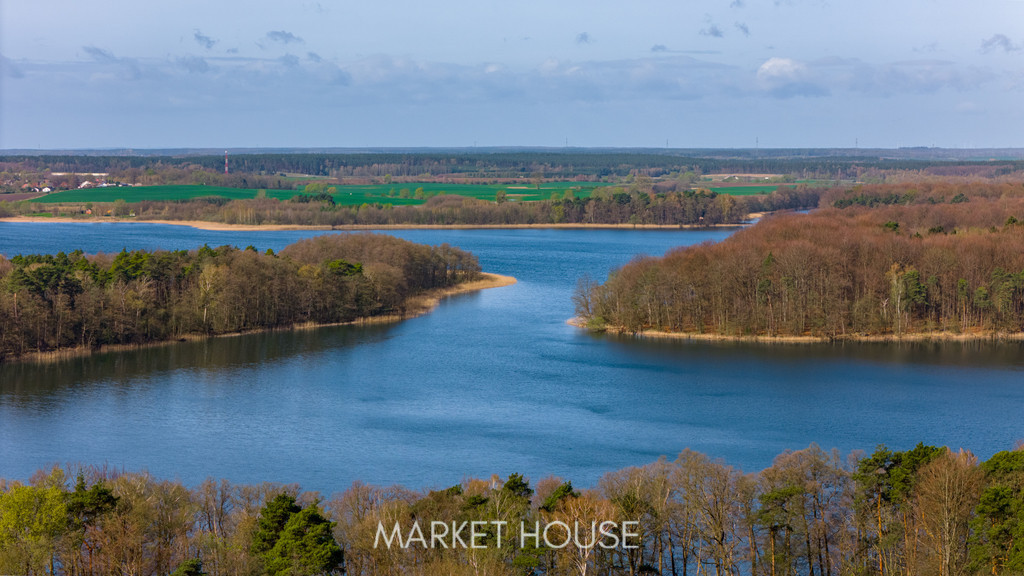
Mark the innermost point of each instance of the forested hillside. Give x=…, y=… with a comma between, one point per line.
x=927, y=510
x=883, y=260
x=51, y=302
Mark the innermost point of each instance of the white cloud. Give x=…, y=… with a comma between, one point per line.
x=191, y=87
x=906, y=77
x=786, y=78
x=784, y=69
x=153, y=59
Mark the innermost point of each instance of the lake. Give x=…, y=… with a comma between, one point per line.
x=492, y=382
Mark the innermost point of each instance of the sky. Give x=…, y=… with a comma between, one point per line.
x=582, y=73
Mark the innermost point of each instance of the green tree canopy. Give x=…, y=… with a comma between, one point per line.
x=295, y=541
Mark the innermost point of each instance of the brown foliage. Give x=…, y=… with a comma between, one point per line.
x=891, y=269
x=805, y=514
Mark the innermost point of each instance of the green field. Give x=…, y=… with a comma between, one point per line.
x=751, y=190
x=345, y=195
x=356, y=195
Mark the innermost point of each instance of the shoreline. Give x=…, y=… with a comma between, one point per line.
x=222, y=227
x=910, y=337
x=416, y=306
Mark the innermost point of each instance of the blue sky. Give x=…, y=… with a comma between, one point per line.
x=689, y=73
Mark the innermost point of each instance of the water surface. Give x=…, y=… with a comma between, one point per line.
x=490, y=382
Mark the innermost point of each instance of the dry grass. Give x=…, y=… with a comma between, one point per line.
x=976, y=336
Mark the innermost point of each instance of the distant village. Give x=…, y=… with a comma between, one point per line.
x=99, y=180
x=15, y=188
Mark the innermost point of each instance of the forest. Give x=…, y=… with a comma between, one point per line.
x=923, y=511
x=564, y=164
x=943, y=259
x=53, y=302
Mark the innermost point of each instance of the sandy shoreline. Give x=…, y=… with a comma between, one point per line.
x=417, y=306
x=878, y=338
x=221, y=227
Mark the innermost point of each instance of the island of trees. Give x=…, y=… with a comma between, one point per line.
x=937, y=259
x=926, y=510
x=54, y=302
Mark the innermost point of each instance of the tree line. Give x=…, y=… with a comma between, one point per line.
x=944, y=190
x=608, y=205
x=51, y=302
x=887, y=260
x=926, y=510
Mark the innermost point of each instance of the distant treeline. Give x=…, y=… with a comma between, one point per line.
x=565, y=165
x=927, y=510
x=51, y=302
x=606, y=206
x=891, y=260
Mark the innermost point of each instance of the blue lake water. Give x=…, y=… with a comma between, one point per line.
x=490, y=382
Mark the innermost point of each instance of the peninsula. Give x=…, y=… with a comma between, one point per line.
x=74, y=303
x=885, y=262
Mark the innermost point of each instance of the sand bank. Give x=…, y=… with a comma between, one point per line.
x=219, y=226
x=979, y=336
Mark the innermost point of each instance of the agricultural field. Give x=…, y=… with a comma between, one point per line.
x=396, y=194
x=745, y=189
x=19, y=196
